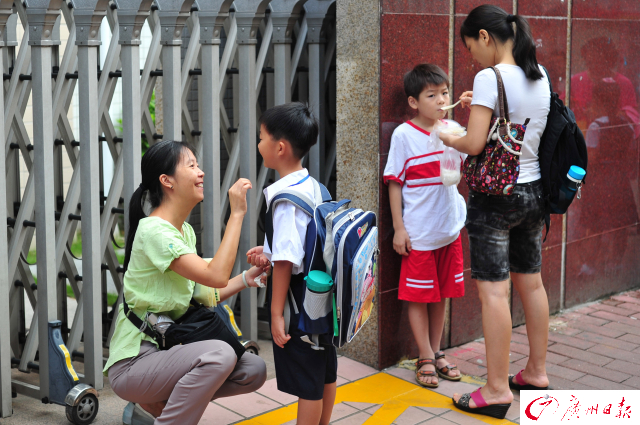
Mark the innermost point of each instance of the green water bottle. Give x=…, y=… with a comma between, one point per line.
x=320, y=282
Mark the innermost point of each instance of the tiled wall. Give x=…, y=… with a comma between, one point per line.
x=601, y=241
x=603, y=245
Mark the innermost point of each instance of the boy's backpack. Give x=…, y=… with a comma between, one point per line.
x=561, y=146
x=343, y=242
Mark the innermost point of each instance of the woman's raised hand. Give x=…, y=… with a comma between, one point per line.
x=466, y=98
x=238, y=196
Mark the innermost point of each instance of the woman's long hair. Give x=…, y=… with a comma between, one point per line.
x=497, y=23
x=161, y=158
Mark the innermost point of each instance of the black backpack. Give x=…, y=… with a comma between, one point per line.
x=561, y=146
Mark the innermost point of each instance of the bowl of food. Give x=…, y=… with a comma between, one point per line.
x=451, y=127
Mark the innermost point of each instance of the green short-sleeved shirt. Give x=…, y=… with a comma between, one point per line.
x=149, y=285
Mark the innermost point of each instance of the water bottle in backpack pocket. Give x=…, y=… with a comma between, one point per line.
x=317, y=305
x=570, y=187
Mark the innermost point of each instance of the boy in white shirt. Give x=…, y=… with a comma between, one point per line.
x=287, y=132
x=427, y=218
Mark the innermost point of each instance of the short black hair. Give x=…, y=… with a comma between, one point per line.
x=423, y=76
x=294, y=123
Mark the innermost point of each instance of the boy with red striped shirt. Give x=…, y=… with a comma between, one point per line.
x=427, y=218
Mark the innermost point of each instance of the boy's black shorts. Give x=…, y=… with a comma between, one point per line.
x=302, y=371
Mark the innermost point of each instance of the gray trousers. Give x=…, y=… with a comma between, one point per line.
x=187, y=377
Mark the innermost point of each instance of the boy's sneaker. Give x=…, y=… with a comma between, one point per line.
x=135, y=415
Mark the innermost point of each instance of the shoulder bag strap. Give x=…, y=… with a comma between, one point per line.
x=502, y=97
x=548, y=79
x=142, y=325
x=500, y=93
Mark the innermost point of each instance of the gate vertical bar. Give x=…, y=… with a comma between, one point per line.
x=284, y=13
x=5, y=349
x=171, y=107
x=88, y=15
x=131, y=17
x=173, y=15
x=212, y=14
x=42, y=15
x=282, y=72
x=249, y=13
x=316, y=103
x=316, y=12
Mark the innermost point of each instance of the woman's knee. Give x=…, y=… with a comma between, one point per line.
x=527, y=283
x=256, y=368
x=218, y=356
x=228, y=356
x=114, y=383
x=493, y=292
x=117, y=379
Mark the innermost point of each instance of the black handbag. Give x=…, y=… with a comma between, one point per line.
x=199, y=323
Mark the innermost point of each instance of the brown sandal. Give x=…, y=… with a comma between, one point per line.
x=419, y=373
x=443, y=372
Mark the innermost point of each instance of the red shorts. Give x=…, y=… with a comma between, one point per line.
x=429, y=276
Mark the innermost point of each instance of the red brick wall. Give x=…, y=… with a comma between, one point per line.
x=602, y=242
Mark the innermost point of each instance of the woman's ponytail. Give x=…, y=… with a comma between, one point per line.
x=136, y=213
x=524, y=49
x=160, y=159
x=498, y=24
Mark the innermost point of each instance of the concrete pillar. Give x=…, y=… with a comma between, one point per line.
x=357, y=132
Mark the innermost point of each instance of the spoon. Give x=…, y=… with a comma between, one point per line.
x=444, y=108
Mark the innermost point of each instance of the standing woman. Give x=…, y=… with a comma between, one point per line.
x=505, y=232
x=161, y=263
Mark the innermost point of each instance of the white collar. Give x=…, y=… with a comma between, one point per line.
x=283, y=183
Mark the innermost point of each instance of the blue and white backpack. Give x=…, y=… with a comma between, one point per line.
x=343, y=242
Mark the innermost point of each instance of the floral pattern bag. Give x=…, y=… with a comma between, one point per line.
x=495, y=171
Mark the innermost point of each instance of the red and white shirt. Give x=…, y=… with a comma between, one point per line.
x=433, y=214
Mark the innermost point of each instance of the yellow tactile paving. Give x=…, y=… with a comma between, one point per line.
x=395, y=395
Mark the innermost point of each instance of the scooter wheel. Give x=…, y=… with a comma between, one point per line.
x=251, y=347
x=85, y=411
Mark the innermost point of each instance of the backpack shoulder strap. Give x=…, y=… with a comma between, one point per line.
x=547, y=216
x=306, y=204
x=548, y=79
x=321, y=192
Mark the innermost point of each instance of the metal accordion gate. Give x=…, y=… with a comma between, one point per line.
x=241, y=57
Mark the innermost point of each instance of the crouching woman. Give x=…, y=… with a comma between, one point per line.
x=176, y=385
